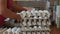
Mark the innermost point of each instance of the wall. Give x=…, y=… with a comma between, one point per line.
x=37, y=4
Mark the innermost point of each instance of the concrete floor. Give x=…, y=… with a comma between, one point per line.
x=54, y=30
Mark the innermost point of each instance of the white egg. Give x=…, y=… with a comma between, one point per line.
x=39, y=23
x=35, y=17
x=47, y=32
x=7, y=19
x=29, y=23
x=9, y=30
x=18, y=30
x=35, y=27
x=40, y=17
x=39, y=27
x=24, y=23
x=14, y=29
x=43, y=32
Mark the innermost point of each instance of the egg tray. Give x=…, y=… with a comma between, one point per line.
x=40, y=20
x=9, y=31
x=31, y=29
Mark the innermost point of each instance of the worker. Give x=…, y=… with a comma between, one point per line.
x=6, y=12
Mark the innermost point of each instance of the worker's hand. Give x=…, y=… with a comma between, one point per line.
x=18, y=17
x=28, y=8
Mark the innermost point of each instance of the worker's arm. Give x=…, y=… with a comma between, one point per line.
x=10, y=14
x=17, y=7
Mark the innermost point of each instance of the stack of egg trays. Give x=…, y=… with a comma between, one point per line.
x=2, y=30
x=34, y=23
x=27, y=26
x=35, y=26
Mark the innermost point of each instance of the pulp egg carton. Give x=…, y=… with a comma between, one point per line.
x=35, y=13
x=2, y=30
x=35, y=17
x=33, y=22
x=15, y=30
x=18, y=30
x=36, y=32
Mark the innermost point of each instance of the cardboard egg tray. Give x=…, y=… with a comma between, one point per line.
x=24, y=31
x=33, y=22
